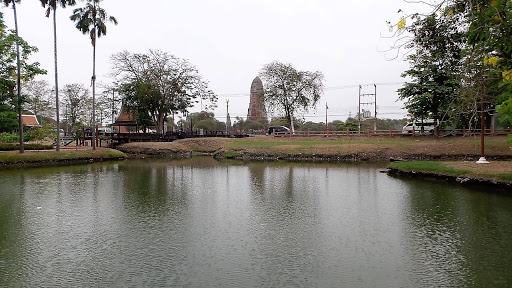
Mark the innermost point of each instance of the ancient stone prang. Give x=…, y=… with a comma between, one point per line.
x=256, y=111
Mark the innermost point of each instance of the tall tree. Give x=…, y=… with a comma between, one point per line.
x=52, y=5
x=490, y=30
x=76, y=102
x=14, y=68
x=39, y=95
x=18, y=64
x=290, y=91
x=435, y=66
x=92, y=19
x=159, y=84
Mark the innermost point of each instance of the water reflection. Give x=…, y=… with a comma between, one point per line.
x=200, y=222
x=455, y=237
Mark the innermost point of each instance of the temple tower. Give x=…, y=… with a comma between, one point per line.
x=256, y=111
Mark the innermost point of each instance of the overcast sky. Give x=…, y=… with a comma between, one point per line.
x=229, y=41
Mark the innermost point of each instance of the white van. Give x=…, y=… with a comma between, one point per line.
x=416, y=126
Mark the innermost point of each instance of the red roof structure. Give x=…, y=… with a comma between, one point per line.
x=126, y=119
x=30, y=121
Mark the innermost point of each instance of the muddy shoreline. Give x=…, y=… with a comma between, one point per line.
x=138, y=152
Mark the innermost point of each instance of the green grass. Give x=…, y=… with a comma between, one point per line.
x=258, y=144
x=506, y=177
x=15, y=157
x=231, y=155
x=427, y=166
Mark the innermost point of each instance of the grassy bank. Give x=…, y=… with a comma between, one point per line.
x=332, y=148
x=36, y=158
x=494, y=171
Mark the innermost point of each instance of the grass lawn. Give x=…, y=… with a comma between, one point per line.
x=35, y=156
x=499, y=170
x=395, y=147
x=427, y=166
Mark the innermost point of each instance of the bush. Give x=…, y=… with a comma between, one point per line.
x=38, y=134
x=9, y=137
x=14, y=147
x=253, y=125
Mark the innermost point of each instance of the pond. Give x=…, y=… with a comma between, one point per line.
x=203, y=223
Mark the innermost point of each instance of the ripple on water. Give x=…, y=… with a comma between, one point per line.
x=269, y=225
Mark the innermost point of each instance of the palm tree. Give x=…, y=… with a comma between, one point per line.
x=18, y=64
x=91, y=19
x=52, y=5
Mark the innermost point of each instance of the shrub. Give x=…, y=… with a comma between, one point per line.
x=14, y=147
x=9, y=137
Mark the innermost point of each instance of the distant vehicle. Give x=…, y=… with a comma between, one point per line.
x=277, y=129
x=426, y=126
x=103, y=130
x=61, y=134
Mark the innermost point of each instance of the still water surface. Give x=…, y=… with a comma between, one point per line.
x=203, y=223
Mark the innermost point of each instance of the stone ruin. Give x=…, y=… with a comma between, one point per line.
x=257, y=111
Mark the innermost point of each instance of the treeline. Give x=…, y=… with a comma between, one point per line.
x=460, y=61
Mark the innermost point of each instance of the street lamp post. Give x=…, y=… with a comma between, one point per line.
x=482, y=159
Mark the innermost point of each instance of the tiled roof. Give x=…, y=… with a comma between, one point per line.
x=125, y=117
x=30, y=121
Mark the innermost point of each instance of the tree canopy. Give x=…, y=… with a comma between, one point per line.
x=435, y=66
x=158, y=84
x=473, y=38
x=290, y=91
x=8, y=73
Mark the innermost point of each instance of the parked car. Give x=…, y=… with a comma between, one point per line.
x=427, y=126
x=277, y=129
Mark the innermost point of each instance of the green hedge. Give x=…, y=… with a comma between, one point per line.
x=14, y=147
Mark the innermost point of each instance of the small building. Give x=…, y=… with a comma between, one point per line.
x=125, y=120
x=30, y=121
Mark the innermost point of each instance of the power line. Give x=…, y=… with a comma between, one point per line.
x=235, y=95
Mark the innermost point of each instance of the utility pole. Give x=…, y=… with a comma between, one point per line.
x=326, y=123
x=359, y=109
x=227, y=117
x=375, y=107
x=366, y=113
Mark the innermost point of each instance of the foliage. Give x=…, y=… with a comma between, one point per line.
x=109, y=102
x=205, y=120
x=253, y=125
x=92, y=19
x=39, y=98
x=41, y=133
x=14, y=147
x=435, y=66
x=312, y=126
x=485, y=58
x=8, y=67
x=289, y=91
x=9, y=137
x=9, y=104
x=281, y=121
x=159, y=84
x=76, y=105
x=53, y=4
x=8, y=118
x=206, y=124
